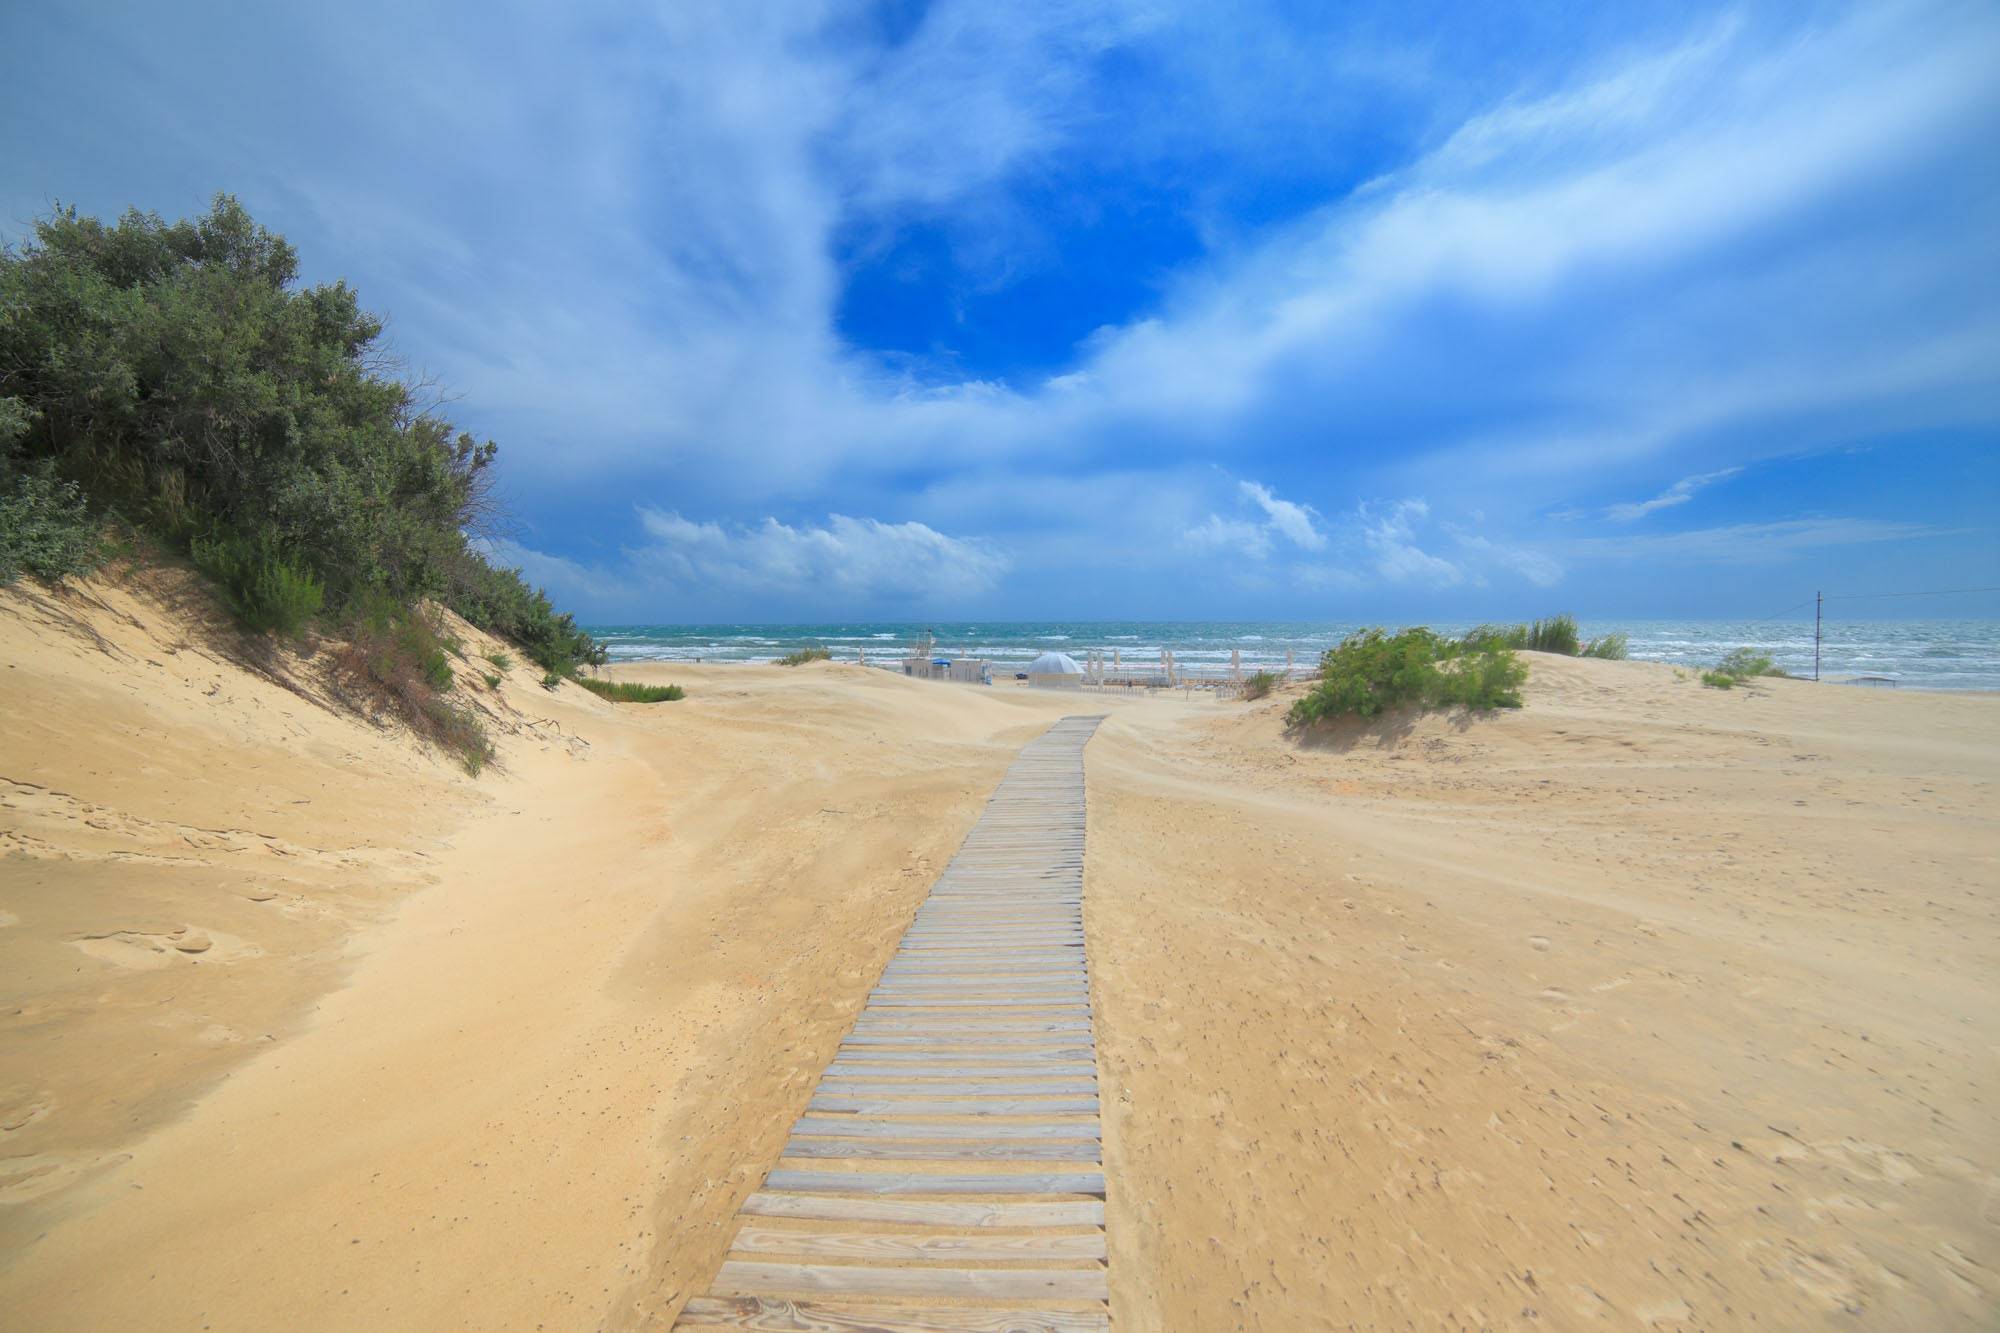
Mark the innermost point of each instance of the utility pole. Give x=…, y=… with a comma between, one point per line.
x=1819, y=605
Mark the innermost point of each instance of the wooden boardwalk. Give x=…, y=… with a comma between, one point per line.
x=946, y=1175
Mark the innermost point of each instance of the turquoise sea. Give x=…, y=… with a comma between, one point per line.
x=1917, y=654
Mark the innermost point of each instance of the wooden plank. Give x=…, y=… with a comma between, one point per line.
x=975, y=1054
x=985, y=1106
x=972, y=1024
x=902, y=1247
x=924, y=1212
x=915, y=1182
x=900, y=1002
x=770, y=1314
x=958, y=1069
x=975, y=1041
x=763, y=1278
x=841, y=1086
x=1081, y=1152
x=844, y=1126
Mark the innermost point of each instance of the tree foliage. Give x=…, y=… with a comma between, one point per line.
x=179, y=373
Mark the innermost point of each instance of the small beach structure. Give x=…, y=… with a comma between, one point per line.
x=1055, y=671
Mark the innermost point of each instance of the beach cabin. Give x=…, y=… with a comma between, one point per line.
x=1055, y=671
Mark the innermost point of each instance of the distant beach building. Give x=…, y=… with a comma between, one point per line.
x=1055, y=671
x=924, y=663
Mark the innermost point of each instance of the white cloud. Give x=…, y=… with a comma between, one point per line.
x=1391, y=538
x=1677, y=494
x=1742, y=543
x=1537, y=568
x=1216, y=535
x=848, y=562
x=1292, y=521
x=1282, y=518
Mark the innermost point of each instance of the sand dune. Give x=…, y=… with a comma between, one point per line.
x=1645, y=1004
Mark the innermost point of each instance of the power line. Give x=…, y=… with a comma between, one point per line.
x=1930, y=592
x=1787, y=611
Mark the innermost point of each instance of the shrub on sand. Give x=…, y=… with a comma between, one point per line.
x=1259, y=684
x=1374, y=671
x=1741, y=665
x=45, y=526
x=395, y=660
x=264, y=589
x=631, y=692
x=805, y=655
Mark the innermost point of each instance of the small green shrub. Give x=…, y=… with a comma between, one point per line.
x=266, y=591
x=492, y=681
x=1745, y=663
x=503, y=660
x=805, y=655
x=1718, y=680
x=631, y=692
x=1557, y=634
x=1611, y=647
x=45, y=525
x=1259, y=684
x=394, y=658
x=1374, y=671
x=1496, y=636
x=552, y=680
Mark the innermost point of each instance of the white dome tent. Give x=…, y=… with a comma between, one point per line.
x=1055, y=671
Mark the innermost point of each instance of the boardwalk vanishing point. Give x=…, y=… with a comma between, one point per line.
x=946, y=1176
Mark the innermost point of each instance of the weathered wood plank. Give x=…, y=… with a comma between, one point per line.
x=959, y=1069
x=881, y=1127
x=982, y=1106
x=916, y=1182
x=1079, y=1151
x=925, y=1212
x=763, y=1278
x=901, y=1247
x=975, y=1055
x=770, y=1314
x=968, y=1087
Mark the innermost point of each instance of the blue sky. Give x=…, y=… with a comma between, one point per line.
x=1137, y=309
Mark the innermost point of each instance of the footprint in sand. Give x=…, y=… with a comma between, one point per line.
x=1540, y=942
x=21, y=1106
x=146, y=950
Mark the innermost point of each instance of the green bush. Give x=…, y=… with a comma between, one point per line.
x=505, y=661
x=1611, y=647
x=805, y=655
x=552, y=680
x=266, y=591
x=631, y=692
x=45, y=526
x=1374, y=671
x=1557, y=634
x=1742, y=664
x=492, y=681
x=1259, y=684
x=180, y=375
x=395, y=659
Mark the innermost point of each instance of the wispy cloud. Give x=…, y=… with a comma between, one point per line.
x=848, y=561
x=1677, y=494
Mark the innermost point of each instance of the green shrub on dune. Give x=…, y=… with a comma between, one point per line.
x=263, y=588
x=1373, y=672
x=1741, y=665
x=179, y=376
x=1611, y=647
x=631, y=692
x=1259, y=684
x=805, y=655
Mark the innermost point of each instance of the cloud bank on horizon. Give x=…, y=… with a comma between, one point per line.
x=1137, y=309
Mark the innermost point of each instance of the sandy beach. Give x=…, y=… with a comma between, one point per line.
x=1645, y=1005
